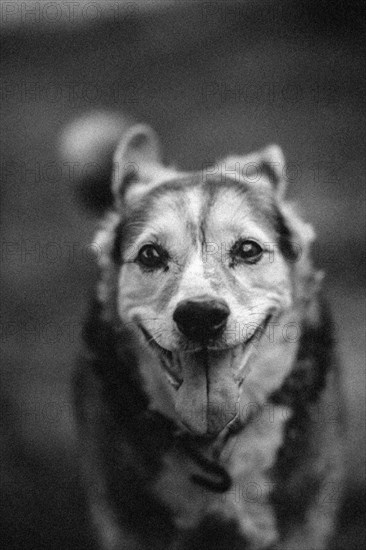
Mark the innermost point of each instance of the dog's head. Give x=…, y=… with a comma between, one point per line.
x=208, y=269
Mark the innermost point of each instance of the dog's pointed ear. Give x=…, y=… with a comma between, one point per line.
x=137, y=159
x=264, y=166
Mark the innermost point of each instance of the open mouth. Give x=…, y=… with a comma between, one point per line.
x=169, y=360
x=207, y=381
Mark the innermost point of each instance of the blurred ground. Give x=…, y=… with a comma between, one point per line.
x=211, y=78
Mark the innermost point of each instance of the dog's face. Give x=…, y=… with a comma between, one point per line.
x=205, y=267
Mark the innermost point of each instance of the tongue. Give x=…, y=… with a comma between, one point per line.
x=208, y=396
x=224, y=392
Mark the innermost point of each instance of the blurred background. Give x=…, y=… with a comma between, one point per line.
x=212, y=78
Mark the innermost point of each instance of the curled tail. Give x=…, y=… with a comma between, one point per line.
x=87, y=145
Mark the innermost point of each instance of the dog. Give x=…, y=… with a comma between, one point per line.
x=208, y=395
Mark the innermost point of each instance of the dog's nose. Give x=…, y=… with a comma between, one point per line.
x=201, y=318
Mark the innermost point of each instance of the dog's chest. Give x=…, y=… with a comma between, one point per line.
x=248, y=458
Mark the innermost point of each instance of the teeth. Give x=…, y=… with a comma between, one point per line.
x=171, y=371
x=249, y=348
x=173, y=381
x=166, y=359
x=245, y=352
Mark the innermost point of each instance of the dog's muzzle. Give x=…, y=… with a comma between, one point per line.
x=207, y=380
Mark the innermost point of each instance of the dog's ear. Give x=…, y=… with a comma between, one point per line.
x=265, y=166
x=137, y=160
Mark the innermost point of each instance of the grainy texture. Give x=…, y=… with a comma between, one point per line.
x=297, y=77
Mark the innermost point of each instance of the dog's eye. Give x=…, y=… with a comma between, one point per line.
x=151, y=256
x=248, y=251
